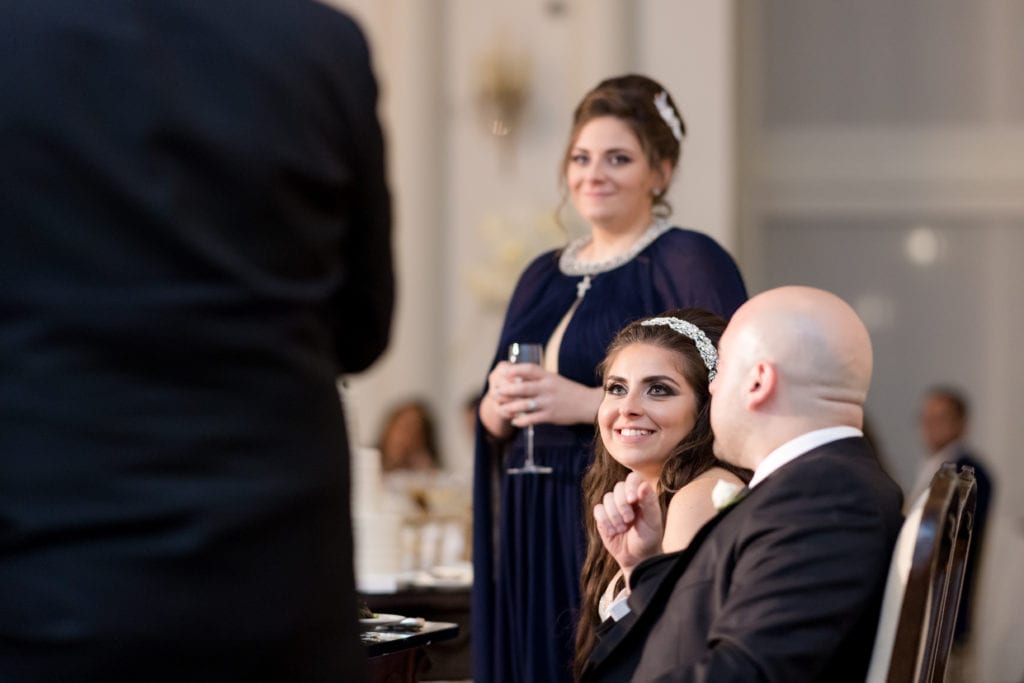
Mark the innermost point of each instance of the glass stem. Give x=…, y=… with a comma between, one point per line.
x=529, y=446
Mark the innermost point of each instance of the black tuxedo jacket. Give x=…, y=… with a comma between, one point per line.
x=194, y=243
x=784, y=586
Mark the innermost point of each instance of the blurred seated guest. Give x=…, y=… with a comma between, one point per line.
x=655, y=431
x=785, y=584
x=407, y=441
x=943, y=423
x=434, y=503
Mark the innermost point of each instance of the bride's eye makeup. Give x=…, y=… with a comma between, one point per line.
x=615, y=388
x=661, y=389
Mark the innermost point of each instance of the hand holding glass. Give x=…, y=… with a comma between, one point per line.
x=527, y=353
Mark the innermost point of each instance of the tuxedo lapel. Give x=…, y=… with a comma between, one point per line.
x=658, y=571
x=650, y=584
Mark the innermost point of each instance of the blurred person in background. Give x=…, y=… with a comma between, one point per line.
x=943, y=423
x=196, y=244
x=407, y=439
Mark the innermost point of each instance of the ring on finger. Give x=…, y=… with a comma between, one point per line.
x=531, y=405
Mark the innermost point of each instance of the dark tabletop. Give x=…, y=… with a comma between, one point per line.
x=382, y=641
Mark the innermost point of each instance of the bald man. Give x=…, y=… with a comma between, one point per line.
x=786, y=582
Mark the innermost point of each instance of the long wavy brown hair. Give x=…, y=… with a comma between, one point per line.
x=690, y=457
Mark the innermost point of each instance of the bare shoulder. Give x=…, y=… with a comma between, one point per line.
x=714, y=474
x=693, y=494
x=691, y=507
x=702, y=485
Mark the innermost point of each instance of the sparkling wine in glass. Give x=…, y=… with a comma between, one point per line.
x=527, y=353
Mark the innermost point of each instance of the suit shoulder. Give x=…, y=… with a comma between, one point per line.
x=849, y=457
x=845, y=471
x=331, y=31
x=333, y=17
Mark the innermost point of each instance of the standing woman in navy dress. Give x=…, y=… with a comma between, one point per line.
x=623, y=149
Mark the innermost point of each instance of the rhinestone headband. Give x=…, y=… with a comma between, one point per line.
x=668, y=115
x=707, y=350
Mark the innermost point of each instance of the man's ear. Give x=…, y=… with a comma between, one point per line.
x=763, y=379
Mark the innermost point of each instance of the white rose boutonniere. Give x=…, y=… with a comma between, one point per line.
x=727, y=493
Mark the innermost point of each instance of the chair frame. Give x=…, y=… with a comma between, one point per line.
x=924, y=632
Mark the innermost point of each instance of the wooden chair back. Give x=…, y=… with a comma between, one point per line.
x=926, y=577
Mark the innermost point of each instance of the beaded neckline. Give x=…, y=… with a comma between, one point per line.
x=570, y=264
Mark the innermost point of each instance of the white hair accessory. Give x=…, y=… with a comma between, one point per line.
x=707, y=350
x=668, y=114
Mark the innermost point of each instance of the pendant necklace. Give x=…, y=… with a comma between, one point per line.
x=569, y=263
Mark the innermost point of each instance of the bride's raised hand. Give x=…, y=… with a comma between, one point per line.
x=628, y=519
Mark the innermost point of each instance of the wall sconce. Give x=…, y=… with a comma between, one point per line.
x=502, y=90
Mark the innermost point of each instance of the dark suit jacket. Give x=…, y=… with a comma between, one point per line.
x=194, y=243
x=785, y=586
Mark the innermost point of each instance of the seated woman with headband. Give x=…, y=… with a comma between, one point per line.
x=655, y=435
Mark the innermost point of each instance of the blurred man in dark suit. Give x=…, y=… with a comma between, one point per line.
x=195, y=234
x=943, y=423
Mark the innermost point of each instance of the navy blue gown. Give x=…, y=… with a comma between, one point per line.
x=527, y=565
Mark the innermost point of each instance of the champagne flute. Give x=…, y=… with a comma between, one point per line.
x=527, y=353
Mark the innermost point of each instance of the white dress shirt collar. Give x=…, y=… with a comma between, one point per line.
x=794, y=448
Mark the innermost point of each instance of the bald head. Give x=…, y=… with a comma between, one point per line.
x=818, y=343
x=796, y=359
